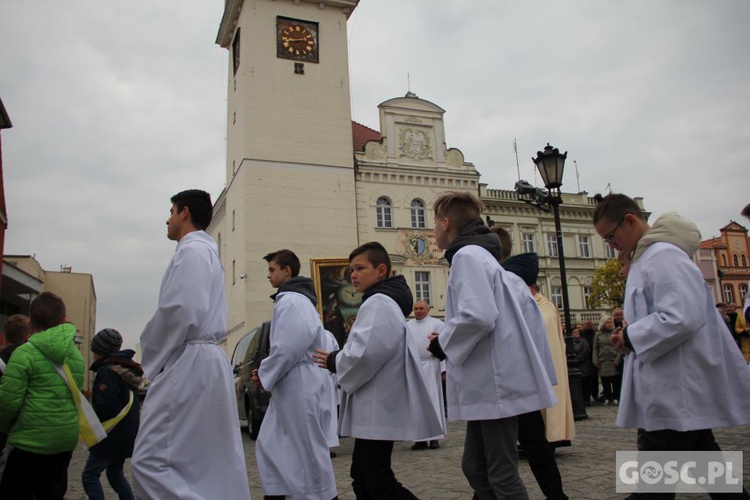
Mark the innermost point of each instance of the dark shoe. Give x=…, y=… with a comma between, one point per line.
x=434, y=445
x=333, y=454
x=420, y=445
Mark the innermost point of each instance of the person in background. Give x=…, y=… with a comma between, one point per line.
x=607, y=359
x=433, y=370
x=17, y=330
x=115, y=390
x=582, y=351
x=36, y=405
x=588, y=333
x=738, y=327
x=746, y=306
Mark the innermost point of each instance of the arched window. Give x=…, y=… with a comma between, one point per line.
x=723, y=260
x=735, y=260
x=383, y=212
x=744, y=260
x=417, y=214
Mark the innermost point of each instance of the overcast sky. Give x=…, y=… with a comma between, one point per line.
x=118, y=105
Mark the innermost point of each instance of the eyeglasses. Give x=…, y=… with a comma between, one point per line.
x=610, y=238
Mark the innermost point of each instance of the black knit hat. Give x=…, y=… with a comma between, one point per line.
x=106, y=341
x=524, y=265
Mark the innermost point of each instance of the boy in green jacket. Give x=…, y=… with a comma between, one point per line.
x=36, y=406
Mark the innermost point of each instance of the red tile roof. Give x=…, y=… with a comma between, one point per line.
x=361, y=135
x=712, y=243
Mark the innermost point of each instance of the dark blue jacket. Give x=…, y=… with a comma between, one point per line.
x=117, y=376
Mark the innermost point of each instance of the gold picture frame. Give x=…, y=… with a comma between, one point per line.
x=338, y=301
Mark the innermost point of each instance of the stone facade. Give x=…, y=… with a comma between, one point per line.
x=731, y=251
x=301, y=175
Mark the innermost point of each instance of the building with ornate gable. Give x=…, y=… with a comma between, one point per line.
x=731, y=251
x=300, y=174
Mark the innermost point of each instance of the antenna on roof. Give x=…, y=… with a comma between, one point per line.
x=515, y=150
x=408, y=82
x=578, y=178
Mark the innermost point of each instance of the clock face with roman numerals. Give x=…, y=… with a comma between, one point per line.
x=296, y=40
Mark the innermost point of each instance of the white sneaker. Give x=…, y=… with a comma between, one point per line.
x=616, y=402
x=605, y=403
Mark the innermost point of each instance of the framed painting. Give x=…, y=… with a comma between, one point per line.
x=338, y=301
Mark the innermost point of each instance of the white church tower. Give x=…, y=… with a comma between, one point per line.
x=290, y=166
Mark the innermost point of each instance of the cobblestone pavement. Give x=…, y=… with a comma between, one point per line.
x=587, y=467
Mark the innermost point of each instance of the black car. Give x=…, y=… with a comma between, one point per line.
x=252, y=403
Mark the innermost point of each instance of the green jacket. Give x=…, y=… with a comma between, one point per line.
x=36, y=406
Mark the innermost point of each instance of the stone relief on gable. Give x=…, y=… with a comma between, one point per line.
x=454, y=157
x=413, y=119
x=415, y=144
x=375, y=150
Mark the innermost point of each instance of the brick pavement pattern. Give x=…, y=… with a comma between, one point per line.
x=587, y=467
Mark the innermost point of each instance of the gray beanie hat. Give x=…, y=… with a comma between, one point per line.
x=106, y=341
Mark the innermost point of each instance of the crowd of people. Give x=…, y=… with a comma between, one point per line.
x=497, y=361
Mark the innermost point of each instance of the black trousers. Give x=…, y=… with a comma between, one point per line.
x=611, y=387
x=595, y=384
x=541, y=456
x=586, y=386
x=669, y=440
x=372, y=476
x=33, y=475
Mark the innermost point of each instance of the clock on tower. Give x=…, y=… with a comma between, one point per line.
x=296, y=40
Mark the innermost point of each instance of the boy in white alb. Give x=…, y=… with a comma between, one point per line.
x=494, y=370
x=292, y=448
x=384, y=398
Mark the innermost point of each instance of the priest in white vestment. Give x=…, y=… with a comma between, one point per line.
x=420, y=329
x=189, y=445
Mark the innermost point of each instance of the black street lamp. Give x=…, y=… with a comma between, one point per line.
x=551, y=165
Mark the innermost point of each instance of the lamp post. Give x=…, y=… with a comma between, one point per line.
x=551, y=165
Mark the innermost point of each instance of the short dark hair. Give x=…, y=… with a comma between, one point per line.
x=285, y=258
x=460, y=207
x=614, y=207
x=746, y=211
x=199, y=204
x=17, y=328
x=506, y=243
x=47, y=311
x=375, y=253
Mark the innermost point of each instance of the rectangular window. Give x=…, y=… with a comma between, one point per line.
x=422, y=286
x=609, y=252
x=584, y=246
x=236, y=51
x=587, y=291
x=728, y=294
x=552, y=245
x=556, y=297
x=527, y=242
x=743, y=291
